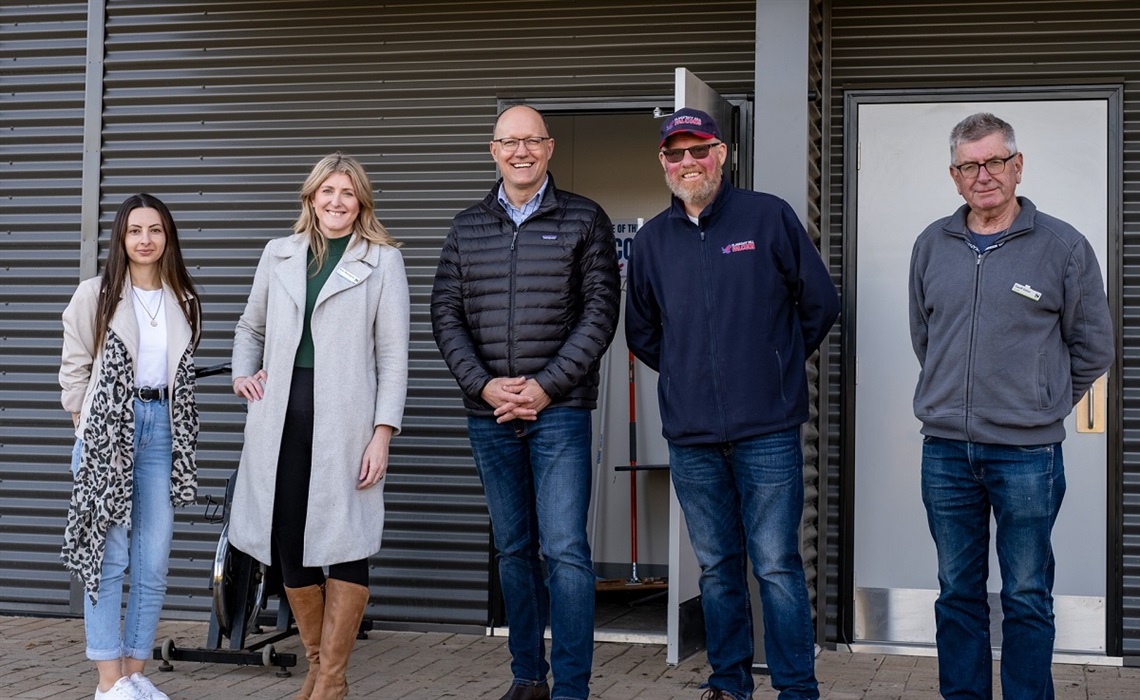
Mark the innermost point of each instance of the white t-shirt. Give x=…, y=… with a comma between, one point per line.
x=152, y=337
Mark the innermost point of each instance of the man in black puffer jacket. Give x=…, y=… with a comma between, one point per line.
x=525, y=303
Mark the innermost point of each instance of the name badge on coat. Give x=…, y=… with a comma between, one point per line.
x=348, y=275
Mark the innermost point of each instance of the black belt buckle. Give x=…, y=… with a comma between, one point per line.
x=146, y=393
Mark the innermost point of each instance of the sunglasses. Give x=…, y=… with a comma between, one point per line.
x=676, y=155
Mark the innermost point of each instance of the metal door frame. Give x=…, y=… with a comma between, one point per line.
x=1113, y=94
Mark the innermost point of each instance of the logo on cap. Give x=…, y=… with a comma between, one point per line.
x=685, y=119
x=689, y=121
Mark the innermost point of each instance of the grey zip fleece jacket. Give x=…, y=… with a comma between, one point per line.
x=1009, y=338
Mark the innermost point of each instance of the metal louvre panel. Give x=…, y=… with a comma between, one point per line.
x=815, y=560
x=221, y=109
x=970, y=44
x=42, y=63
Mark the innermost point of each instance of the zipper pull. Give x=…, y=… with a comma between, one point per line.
x=514, y=238
x=702, y=235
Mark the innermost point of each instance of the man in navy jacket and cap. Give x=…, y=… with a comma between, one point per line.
x=727, y=297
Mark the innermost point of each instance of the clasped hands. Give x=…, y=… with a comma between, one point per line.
x=515, y=398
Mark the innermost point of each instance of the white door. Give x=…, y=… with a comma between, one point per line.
x=903, y=185
x=684, y=572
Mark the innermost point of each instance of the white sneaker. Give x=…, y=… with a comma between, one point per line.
x=148, y=689
x=124, y=689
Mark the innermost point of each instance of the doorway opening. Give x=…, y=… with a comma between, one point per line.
x=610, y=157
x=607, y=149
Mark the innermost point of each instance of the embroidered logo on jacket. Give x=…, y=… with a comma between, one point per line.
x=550, y=237
x=738, y=247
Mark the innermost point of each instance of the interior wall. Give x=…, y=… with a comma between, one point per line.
x=611, y=158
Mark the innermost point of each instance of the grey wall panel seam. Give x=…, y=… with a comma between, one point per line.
x=92, y=139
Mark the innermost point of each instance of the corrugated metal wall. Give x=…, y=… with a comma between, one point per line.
x=221, y=108
x=42, y=60
x=969, y=43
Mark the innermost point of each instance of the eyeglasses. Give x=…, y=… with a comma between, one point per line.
x=532, y=144
x=994, y=166
x=676, y=155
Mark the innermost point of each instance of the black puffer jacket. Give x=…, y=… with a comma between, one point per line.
x=540, y=300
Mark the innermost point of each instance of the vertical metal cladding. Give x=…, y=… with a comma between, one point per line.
x=974, y=44
x=41, y=121
x=817, y=522
x=221, y=109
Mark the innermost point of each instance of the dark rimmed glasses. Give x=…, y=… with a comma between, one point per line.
x=993, y=166
x=676, y=155
x=532, y=144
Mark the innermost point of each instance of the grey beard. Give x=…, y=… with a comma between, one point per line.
x=700, y=195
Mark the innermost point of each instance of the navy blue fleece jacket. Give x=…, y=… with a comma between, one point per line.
x=728, y=310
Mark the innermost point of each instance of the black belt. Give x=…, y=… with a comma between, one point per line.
x=146, y=393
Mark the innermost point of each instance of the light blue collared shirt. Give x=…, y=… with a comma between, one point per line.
x=520, y=214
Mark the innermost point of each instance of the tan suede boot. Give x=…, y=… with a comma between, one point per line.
x=308, y=606
x=344, y=609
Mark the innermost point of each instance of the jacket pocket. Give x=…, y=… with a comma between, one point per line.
x=1044, y=388
x=780, y=372
x=664, y=387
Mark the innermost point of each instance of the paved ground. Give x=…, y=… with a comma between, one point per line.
x=43, y=658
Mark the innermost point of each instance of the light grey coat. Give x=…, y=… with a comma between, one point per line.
x=360, y=376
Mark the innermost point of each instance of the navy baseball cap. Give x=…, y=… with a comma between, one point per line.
x=689, y=121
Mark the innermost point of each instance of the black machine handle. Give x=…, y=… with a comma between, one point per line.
x=201, y=372
x=215, y=509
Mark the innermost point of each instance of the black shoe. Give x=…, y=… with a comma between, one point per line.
x=715, y=694
x=527, y=692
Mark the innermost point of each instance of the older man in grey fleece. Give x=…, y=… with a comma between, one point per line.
x=1011, y=326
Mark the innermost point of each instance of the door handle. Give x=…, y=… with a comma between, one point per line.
x=1091, y=422
x=1091, y=407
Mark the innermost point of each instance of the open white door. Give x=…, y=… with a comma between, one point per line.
x=685, y=631
x=903, y=185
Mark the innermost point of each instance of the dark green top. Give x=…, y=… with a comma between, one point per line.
x=336, y=249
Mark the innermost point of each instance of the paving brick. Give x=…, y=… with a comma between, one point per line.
x=44, y=658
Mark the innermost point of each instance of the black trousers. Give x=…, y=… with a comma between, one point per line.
x=291, y=500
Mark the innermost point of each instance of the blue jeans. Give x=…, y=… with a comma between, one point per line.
x=743, y=496
x=145, y=548
x=1024, y=486
x=536, y=475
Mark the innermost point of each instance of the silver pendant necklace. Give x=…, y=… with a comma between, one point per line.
x=154, y=316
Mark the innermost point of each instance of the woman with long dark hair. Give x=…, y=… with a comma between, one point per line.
x=127, y=375
x=321, y=354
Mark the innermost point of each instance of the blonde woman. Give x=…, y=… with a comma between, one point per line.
x=321, y=355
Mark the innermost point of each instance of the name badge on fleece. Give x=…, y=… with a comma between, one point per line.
x=356, y=280
x=1026, y=291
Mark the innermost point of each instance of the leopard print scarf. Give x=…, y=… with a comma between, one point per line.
x=101, y=496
